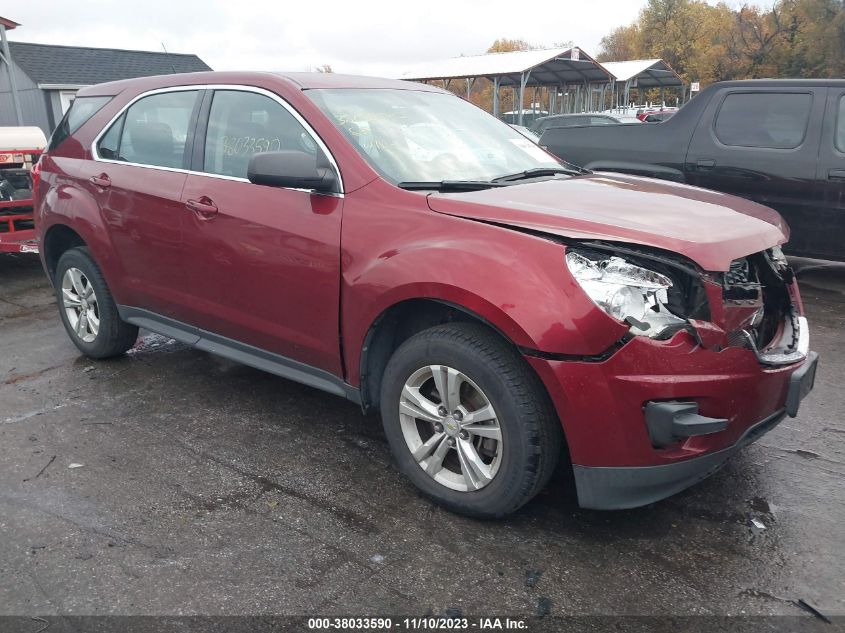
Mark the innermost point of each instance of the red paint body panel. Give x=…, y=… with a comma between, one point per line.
x=601, y=404
x=710, y=228
x=265, y=270
x=395, y=249
x=306, y=276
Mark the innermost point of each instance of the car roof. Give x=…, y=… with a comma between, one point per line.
x=579, y=114
x=302, y=81
x=779, y=83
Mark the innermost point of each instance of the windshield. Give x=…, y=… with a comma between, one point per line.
x=416, y=136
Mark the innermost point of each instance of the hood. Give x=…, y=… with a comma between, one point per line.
x=708, y=227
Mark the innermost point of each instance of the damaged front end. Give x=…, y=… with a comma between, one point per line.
x=681, y=394
x=758, y=307
x=755, y=305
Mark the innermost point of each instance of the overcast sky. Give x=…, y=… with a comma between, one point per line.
x=364, y=37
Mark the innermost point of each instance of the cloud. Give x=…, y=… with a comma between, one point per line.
x=378, y=38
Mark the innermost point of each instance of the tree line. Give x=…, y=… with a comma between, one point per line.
x=707, y=43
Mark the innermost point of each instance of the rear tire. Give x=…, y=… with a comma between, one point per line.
x=87, y=308
x=495, y=440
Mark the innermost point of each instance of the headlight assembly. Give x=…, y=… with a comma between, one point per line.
x=627, y=292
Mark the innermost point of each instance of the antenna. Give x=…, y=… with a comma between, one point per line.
x=173, y=68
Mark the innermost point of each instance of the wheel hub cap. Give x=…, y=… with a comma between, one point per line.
x=450, y=428
x=80, y=305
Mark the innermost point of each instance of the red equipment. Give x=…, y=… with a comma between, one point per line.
x=18, y=170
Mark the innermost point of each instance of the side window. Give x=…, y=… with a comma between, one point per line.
x=107, y=147
x=241, y=124
x=840, y=126
x=79, y=111
x=764, y=119
x=156, y=129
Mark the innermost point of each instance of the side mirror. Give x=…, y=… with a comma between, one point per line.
x=296, y=170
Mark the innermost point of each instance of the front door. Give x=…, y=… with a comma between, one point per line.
x=263, y=263
x=763, y=145
x=830, y=179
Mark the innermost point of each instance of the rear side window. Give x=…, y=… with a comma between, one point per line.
x=840, y=126
x=764, y=119
x=81, y=109
x=154, y=131
x=107, y=146
x=241, y=124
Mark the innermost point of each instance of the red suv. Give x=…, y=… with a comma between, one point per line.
x=390, y=243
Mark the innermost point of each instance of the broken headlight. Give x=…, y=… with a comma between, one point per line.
x=627, y=292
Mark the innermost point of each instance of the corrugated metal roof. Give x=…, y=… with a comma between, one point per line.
x=548, y=66
x=649, y=72
x=75, y=65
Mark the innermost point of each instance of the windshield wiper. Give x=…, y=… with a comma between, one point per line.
x=539, y=172
x=449, y=185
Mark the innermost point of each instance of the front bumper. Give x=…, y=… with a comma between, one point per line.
x=617, y=488
x=602, y=406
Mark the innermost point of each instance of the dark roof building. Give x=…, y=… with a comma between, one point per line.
x=48, y=76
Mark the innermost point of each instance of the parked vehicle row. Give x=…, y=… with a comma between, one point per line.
x=499, y=308
x=777, y=142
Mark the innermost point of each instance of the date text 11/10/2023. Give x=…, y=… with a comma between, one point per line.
x=418, y=624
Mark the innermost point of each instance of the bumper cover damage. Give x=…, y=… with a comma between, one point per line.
x=616, y=488
x=672, y=413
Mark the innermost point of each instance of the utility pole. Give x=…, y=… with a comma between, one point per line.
x=6, y=58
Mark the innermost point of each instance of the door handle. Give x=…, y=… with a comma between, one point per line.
x=836, y=174
x=102, y=181
x=705, y=163
x=204, y=207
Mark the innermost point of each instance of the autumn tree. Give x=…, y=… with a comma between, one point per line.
x=620, y=44
x=505, y=45
x=706, y=43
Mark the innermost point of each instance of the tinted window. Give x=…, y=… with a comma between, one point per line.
x=81, y=109
x=156, y=129
x=777, y=121
x=241, y=124
x=840, y=126
x=108, y=145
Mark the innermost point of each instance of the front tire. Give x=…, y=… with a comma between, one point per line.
x=490, y=442
x=87, y=308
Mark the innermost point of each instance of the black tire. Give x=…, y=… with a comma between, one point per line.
x=531, y=433
x=114, y=336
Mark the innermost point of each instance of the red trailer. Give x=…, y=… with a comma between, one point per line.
x=20, y=148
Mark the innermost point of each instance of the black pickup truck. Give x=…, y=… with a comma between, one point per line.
x=780, y=142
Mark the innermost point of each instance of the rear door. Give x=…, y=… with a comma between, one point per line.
x=763, y=145
x=137, y=178
x=830, y=214
x=262, y=263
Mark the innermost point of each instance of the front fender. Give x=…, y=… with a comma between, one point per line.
x=515, y=281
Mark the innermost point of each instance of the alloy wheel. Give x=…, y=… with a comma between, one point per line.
x=451, y=428
x=80, y=305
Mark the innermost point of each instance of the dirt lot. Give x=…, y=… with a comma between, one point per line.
x=208, y=487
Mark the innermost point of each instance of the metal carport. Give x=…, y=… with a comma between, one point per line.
x=553, y=69
x=643, y=74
